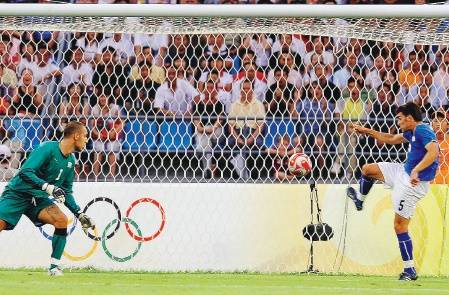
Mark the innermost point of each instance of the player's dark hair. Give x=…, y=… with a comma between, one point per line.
x=410, y=109
x=72, y=128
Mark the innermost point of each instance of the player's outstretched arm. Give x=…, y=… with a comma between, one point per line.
x=70, y=203
x=385, y=137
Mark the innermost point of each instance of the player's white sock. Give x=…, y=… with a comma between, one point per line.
x=54, y=262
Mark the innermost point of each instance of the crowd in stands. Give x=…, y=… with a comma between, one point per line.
x=249, y=101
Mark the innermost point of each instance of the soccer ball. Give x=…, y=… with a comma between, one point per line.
x=299, y=164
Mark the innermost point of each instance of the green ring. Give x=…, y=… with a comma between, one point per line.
x=106, y=250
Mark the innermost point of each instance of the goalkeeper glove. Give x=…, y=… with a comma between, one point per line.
x=57, y=192
x=86, y=222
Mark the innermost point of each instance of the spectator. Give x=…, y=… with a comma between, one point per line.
x=382, y=114
x=341, y=77
x=353, y=109
x=412, y=76
x=225, y=79
x=8, y=81
x=246, y=134
x=122, y=46
x=184, y=47
x=90, y=45
x=296, y=76
x=175, y=96
x=437, y=94
x=289, y=43
x=423, y=101
x=140, y=93
x=381, y=118
x=106, y=132
x=245, y=56
x=331, y=92
x=281, y=95
x=77, y=71
x=216, y=46
x=441, y=77
x=28, y=59
x=260, y=44
x=441, y=127
x=366, y=96
x=109, y=73
x=208, y=126
x=312, y=110
x=357, y=46
x=326, y=57
x=74, y=105
x=145, y=56
x=28, y=100
x=157, y=43
x=8, y=59
x=374, y=78
x=259, y=84
x=46, y=70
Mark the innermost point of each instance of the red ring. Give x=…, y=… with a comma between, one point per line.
x=161, y=227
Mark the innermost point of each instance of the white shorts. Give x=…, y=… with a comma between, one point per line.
x=404, y=195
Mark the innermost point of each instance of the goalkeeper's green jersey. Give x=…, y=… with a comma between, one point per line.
x=45, y=164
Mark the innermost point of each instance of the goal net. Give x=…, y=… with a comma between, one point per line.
x=309, y=77
x=202, y=94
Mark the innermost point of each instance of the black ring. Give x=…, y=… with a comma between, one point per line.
x=119, y=216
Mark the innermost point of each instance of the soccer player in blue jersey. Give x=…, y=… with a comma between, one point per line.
x=409, y=181
x=48, y=171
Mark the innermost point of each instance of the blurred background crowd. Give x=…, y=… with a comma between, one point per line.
x=214, y=107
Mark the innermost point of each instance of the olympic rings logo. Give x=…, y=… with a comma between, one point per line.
x=114, y=225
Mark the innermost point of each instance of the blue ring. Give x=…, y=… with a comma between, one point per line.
x=50, y=237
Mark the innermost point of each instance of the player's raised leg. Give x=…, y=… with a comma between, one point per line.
x=54, y=216
x=370, y=173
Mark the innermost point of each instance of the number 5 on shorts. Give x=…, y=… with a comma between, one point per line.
x=401, y=205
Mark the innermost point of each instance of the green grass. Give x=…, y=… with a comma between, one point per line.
x=36, y=282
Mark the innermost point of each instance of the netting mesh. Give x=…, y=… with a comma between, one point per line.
x=227, y=102
x=398, y=30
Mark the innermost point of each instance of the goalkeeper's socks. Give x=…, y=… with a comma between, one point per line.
x=366, y=184
x=58, y=245
x=406, y=248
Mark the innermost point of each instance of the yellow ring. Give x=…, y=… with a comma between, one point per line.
x=85, y=256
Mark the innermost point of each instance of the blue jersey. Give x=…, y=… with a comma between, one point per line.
x=418, y=140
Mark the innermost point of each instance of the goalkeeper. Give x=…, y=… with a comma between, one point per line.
x=49, y=171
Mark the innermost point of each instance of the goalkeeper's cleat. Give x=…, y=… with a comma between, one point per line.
x=55, y=271
x=352, y=194
x=406, y=276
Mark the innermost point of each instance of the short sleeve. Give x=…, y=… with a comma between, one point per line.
x=408, y=136
x=425, y=135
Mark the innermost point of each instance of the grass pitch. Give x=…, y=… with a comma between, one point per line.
x=37, y=282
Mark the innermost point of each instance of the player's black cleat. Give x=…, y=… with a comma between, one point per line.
x=405, y=276
x=352, y=194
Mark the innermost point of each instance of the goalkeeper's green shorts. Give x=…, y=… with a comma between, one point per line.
x=13, y=206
